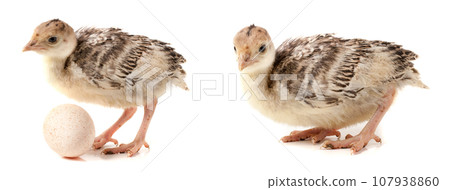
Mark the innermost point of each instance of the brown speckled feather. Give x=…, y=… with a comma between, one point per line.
x=107, y=56
x=340, y=68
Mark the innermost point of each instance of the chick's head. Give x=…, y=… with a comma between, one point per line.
x=53, y=38
x=254, y=49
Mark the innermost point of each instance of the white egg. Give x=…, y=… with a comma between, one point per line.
x=69, y=130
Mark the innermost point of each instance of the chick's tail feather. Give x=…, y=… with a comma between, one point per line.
x=180, y=83
x=421, y=84
x=414, y=74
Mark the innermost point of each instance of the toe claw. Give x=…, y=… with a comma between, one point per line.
x=315, y=140
x=327, y=145
x=348, y=136
x=95, y=146
x=101, y=140
x=114, y=141
x=354, y=149
x=131, y=152
x=293, y=132
x=286, y=139
x=377, y=139
x=338, y=134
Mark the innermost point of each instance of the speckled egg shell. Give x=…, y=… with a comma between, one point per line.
x=69, y=130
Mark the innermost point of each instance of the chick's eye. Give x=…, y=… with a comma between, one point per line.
x=262, y=48
x=52, y=39
x=234, y=48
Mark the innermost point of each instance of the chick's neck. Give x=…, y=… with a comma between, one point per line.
x=261, y=76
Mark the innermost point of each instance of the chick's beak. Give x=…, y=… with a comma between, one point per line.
x=31, y=45
x=244, y=61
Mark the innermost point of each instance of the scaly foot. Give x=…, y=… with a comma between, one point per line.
x=139, y=140
x=106, y=136
x=359, y=141
x=130, y=148
x=355, y=143
x=102, y=139
x=315, y=134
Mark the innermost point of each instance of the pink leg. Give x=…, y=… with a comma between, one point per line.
x=105, y=137
x=315, y=134
x=139, y=140
x=356, y=143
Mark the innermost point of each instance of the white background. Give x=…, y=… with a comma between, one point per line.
x=216, y=143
